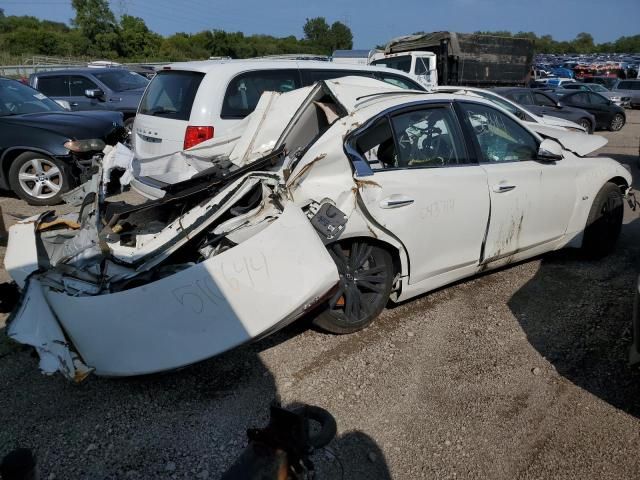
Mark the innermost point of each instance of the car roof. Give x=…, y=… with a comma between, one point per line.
x=237, y=66
x=510, y=89
x=79, y=70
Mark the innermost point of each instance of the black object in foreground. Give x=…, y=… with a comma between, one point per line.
x=281, y=450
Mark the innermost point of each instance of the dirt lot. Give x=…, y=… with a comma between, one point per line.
x=519, y=373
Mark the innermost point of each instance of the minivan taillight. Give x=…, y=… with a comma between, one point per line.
x=195, y=135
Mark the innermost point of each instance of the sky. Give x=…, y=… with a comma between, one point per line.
x=373, y=22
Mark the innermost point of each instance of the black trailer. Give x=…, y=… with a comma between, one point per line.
x=471, y=59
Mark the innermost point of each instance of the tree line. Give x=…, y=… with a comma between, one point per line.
x=95, y=32
x=583, y=43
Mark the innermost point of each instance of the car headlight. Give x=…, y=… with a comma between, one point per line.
x=82, y=146
x=615, y=99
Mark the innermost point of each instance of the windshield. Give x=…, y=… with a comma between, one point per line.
x=508, y=106
x=18, y=99
x=597, y=88
x=171, y=94
x=399, y=63
x=122, y=80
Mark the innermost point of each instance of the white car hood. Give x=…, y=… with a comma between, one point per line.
x=579, y=143
x=560, y=122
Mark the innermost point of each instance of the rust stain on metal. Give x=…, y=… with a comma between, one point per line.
x=305, y=169
x=366, y=183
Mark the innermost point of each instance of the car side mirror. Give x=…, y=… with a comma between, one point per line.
x=549, y=151
x=93, y=93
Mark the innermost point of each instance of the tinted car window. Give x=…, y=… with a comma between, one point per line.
x=377, y=146
x=122, y=80
x=54, y=86
x=523, y=98
x=18, y=99
x=78, y=84
x=398, y=81
x=509, y=107
x=309, y=77
x=597, y=99
x=171, y=94
x=428, y=138
x=500, y=138
x=629, y=85
x=244, y=91
x=543, y=100
x=399, y=63
x=579, y=98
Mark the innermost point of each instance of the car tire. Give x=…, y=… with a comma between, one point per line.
x=366, y=277
x=586, y=124
x=604, y=222
x=38, y=178
x=617, y=122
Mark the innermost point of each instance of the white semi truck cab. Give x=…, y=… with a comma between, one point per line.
x=420, y=65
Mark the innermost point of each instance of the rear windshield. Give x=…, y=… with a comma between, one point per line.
x=399, y=63
x=170, y=94
x=122, y=80
x=628, y=86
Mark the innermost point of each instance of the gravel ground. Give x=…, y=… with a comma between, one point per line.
x=519, y=373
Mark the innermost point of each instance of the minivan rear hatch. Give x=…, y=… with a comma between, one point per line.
x=164, y=112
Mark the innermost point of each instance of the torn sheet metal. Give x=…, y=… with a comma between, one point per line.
x=199, y=312
x=579, y=143
x=21, y=258
x=33, y=323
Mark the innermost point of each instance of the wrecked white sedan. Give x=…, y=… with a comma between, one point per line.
x=360, y=194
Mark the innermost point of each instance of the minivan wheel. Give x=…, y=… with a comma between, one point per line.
x=586, y=124
x=38, y=179
x=604, y=222
x=617, y=122
x=366, y=278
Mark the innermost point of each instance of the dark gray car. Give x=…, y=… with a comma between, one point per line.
x=541, y=103
x=629, y=88
x=114, y=89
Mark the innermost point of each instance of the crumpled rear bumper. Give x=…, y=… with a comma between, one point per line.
x=243, y=293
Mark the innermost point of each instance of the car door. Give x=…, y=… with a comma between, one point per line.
x=55, y=87
x=581, y=100
x=78, y=84
x=531, y=201
x=546, y=105
x=600, y=107
x=428, y=190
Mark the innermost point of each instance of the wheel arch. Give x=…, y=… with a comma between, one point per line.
x=621, y=182
x=397, y=252
x=9, y=155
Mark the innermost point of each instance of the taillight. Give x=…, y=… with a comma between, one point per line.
x=195, y=135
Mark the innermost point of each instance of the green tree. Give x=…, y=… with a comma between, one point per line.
x=583, y=43
x=341, y=36
x=97, y=23
x=316, y=30
x=136, y=40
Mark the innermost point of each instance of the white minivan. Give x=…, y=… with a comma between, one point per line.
x=190, y=102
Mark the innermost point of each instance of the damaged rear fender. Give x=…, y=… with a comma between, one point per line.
x=253, y=288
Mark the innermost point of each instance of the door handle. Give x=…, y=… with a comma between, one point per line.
x=74, y=104
x=396, y=201
x=501, y=188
